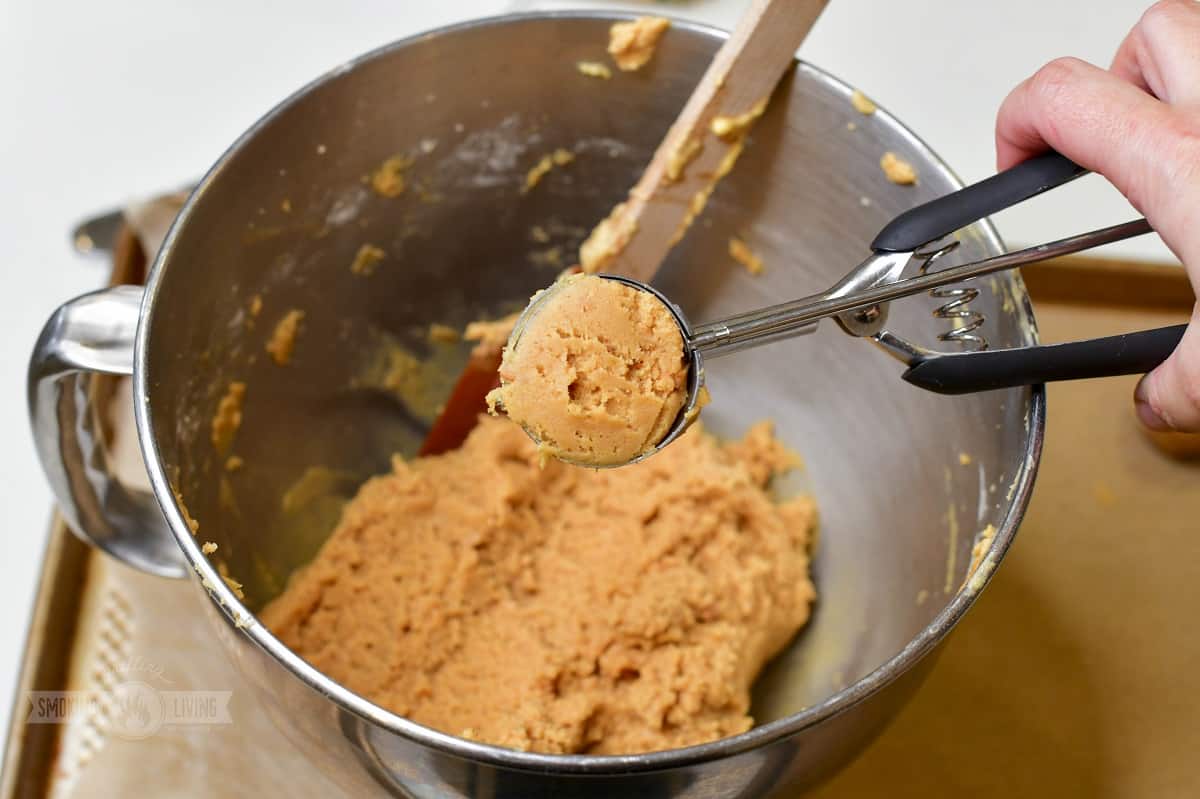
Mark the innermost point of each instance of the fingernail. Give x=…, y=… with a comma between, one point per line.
x=1141, y=402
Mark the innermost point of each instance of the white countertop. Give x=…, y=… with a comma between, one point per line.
x=109, y=101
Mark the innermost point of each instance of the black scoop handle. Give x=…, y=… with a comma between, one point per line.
x=966, y=372
x=941, y=217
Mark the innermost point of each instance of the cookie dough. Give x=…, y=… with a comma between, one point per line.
x=593, y=69
x=559, y=157
x=681, y=156
x=740, y=251
x=631, y=44
x=366, y=259
x=443, y=334
x=560, y=610
x=598, y=374
x=731, y=128
x=282, y=343
x=897, y=169
x=228, y=417
x=490, y=335
x=388, y=179
x=862, y=104
x=608, y=239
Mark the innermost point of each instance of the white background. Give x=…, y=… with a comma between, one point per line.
x=101, y=102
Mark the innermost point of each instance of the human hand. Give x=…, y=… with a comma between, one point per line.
x=1138, y=124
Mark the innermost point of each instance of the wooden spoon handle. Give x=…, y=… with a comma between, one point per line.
x=693, y=156
x=674, y=187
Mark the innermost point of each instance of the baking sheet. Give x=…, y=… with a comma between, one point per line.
x=1074, y=674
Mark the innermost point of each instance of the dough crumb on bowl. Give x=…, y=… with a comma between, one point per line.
x=366, y=259
x=980, y=548
x=741, y=252
x=490, y=335
x=388, y=179
x=598, y=374
x=560, y=157
x=234, y=585
x=632, y=44
x=862, y=104
x=192, y=524
x=557, y=609
x=228, y=417
x=282, y=343
x=551, y=257
x=253, y=309
x=593, y=69
x=443, y=334
x=897, y=169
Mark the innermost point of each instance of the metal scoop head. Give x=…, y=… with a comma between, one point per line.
x=695, y=397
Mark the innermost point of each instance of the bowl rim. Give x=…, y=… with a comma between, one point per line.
x=758, y=736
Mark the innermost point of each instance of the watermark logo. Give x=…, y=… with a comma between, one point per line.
x=131, y=708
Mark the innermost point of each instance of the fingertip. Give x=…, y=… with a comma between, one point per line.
x=1017, y=138
x=1146, y=413
x=1168, y=398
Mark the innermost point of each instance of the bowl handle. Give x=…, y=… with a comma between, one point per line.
x=94, y=334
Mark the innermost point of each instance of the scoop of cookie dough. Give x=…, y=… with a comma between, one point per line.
x=596, y=374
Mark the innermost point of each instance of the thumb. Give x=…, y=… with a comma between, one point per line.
x=1169, y=397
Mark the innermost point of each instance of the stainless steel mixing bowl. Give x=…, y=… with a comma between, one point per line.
x=281, y=216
